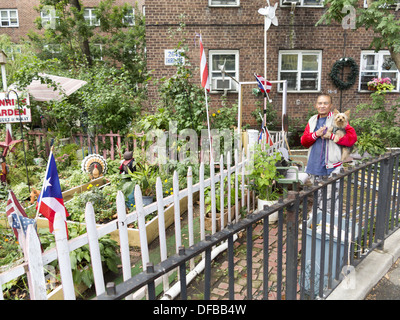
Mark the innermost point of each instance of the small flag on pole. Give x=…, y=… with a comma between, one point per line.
x=263, y=84
x=17, y=218
x=205, y=81
x=50, y=199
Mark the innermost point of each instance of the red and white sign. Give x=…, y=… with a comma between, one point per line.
x=10, y=112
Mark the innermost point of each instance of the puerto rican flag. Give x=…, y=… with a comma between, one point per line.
x=50, y=200
x=263, y=84
x=205, y=81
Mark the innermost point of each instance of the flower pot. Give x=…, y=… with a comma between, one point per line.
x=370, y=88
x=208, y=219
x=260, y=205
x=130, y=200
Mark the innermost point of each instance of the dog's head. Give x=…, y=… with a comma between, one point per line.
x=341, y=119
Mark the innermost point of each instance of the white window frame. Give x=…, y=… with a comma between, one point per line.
x=396, y=8
x=211, y=3
x=10, y=25
x=234, y=85
x=47, y=18
x=380, y=55
x=299, y=70
x=100, y=46
x=130, y=16
x=90, y=17
x=300, y=3
x=12, y=50
x=53, y=48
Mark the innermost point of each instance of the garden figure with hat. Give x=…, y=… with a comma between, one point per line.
x=128, y=163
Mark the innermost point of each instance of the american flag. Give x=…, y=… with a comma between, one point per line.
x=205, y=81
x=50, y=199
x=17, y=217
x=263, y=84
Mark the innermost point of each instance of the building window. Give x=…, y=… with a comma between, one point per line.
x=395, y=6
x=301, y=69
x=129, y=18
x=12, y=51
x=96, y=50
x=377, y=65
x=49, y=17
x=302, y=3
x=217, y=58
x=90, y=17
x=223, y=3
x=9, y=18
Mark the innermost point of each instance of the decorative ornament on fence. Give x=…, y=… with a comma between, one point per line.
x=95, y=165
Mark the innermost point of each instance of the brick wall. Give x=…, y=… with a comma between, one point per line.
x=242, y=29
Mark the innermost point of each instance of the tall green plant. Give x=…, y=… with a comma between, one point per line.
x=264, y=173
x=381, y=122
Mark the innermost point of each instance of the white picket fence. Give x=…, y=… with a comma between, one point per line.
x=35, y=260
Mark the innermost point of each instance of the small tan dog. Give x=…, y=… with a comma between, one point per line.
x=340, y=122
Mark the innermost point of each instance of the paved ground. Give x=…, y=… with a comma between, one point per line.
x=388, y=288
x=219, y=274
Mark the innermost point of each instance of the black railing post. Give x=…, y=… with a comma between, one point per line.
x=383, y=202
x=292, y=246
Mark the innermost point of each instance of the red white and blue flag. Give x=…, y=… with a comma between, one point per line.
x=17, y=218
x=263, y=84
x=50, y=199
x=205, y=81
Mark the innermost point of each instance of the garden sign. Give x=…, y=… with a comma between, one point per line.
x=10, y=112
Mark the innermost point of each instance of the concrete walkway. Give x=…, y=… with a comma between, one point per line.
x=378, y=265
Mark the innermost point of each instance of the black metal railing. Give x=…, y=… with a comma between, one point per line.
x=320, y=230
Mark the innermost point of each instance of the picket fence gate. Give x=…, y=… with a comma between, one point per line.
x=35, y=260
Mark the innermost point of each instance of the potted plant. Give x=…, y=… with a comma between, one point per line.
x=380, y=84
x=145, y=176
x=264, y=174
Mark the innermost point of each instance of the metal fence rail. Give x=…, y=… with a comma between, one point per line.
x=317, y=238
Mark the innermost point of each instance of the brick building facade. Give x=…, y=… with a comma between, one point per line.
x=233, y=30
x=231, y=26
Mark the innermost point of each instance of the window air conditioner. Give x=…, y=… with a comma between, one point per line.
x=219, y=84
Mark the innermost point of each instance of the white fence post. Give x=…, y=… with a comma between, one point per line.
x=161, y=229
x=228, y=167
x=123, y=236
x=236, y=186
x=202, y=205
x=190, y=211
x=213, y=205
x=221, y=191
x=37, y=282
x=177, y=213
x=142, y=227
x=64, y=261
x=95, y=256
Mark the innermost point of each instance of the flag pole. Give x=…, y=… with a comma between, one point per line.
x=45, y=175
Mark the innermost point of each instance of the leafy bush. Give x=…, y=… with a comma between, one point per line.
x=380, y=129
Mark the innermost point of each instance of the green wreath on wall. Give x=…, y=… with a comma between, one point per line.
x=338, y=68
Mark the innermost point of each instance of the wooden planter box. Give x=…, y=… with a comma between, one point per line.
x=152, y=225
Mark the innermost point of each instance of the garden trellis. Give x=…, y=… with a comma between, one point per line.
x=94, y=232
